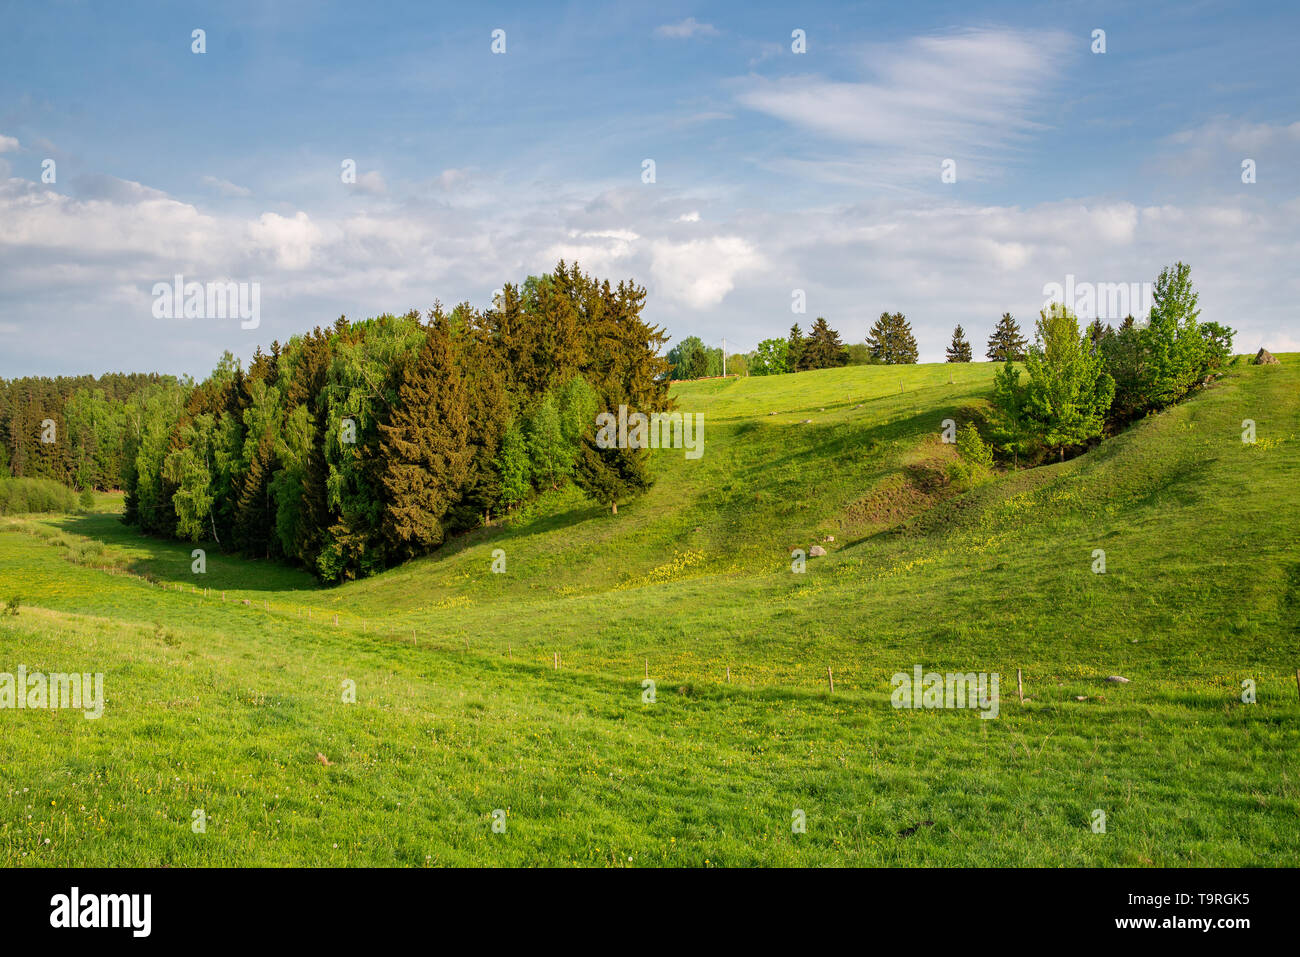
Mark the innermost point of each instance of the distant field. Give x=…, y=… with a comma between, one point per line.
x=224, y=706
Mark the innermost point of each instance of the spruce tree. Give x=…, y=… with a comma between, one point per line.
x=959, y=348
x=1006, y=344
x=823, y=349
x=425, y=447
x=611, y=475
x=890, y=340
x=794, y=350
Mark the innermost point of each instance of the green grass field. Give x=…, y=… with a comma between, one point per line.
x=224, y=706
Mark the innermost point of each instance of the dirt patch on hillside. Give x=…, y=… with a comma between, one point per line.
x=916, y=487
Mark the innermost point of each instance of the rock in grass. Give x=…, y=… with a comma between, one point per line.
x=1265, y=358
x=806, y=422
x=816, y=552
x=829, y=538
x=1119, y=679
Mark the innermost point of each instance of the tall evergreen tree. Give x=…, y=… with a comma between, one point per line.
x=1006, y=344
x=794, y=348
x=891, y=341
x=612, y=475
x=424, y=446
x=959, y=348
x=823, y=349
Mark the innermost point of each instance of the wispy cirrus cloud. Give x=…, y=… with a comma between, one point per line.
x=972, y=94
x=226, y=188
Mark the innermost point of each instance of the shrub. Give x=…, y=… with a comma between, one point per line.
x=87, y=499
x=971, y=447
x=19, y=495
x=975, y=457
x=11, y=606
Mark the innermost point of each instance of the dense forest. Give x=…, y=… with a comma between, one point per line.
x=357, y=446
x=69, y=429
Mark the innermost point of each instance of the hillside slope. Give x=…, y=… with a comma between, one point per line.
x=461, y=711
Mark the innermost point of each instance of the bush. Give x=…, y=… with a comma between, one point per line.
x=975, y=457
x=19, y=495
x=971, y=447
x=87, y=499
x=11, y=606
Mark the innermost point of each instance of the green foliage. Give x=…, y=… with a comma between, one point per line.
x=959, y=348
x=1065, y=401
x=891, y=341
x=550, y=453
x=1011, y=431
x=860, y=355
x=1006, y=344
x=29, y=495
x=794, y=346
x=696, y=579
x=12, y=605
x=1157, y=363
x=692, y=359
x=516, y=470
x=612, y=475
x=424, y=447
x=972, y=448
x=86, y=499
x=823, y=349
x=770, y=358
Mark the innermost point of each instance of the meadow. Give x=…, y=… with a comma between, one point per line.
x=225, y=690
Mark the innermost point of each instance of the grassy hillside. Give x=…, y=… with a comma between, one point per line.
x=224, y=706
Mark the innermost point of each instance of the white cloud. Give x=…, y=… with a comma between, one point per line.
x=8, y=144
x=290, y=241
x=701, y=272
x=969, y=95
x=90, y=262
x=225, y=187
x=690, y=27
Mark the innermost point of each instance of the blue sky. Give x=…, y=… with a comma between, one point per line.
x=775, y=170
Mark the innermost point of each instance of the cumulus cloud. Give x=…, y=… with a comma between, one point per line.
x=91, y=258
x=290, y=242
x=701, y=272
x=8, y=144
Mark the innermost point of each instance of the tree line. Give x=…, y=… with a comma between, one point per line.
x=357, y=446
x=68, y=429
